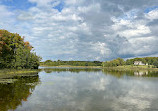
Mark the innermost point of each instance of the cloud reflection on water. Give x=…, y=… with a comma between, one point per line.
x=92, y=91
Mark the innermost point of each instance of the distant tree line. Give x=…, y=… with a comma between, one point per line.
x=15, y=53
x=113, y=63
x=147, y=60
x=71, y=63
x=120, y=62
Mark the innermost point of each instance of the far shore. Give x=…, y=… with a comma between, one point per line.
x=122, y=68
x=132, y=68
x=6, y=73
x=65, y=66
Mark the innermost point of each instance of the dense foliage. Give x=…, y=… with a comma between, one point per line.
x=71, y=63
x=149, y=60
x=120, y=62
x=114, y=63
x=15, y=53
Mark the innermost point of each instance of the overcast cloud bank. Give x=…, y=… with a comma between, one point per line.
x=85, y=29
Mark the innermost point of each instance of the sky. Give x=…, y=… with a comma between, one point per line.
x=84, y=29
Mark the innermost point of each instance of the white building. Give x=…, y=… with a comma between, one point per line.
x=139, y=63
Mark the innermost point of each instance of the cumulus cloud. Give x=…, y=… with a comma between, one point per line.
x=152, y=14
x=86, y=30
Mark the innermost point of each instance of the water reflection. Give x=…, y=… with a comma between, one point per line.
x=138, y=73
x=69, y=89
x=93, y=91
x=114, y=72
x=141, y=73
x=14, y=91
x=73, y=70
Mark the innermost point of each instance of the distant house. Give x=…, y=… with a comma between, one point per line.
x=139, y=63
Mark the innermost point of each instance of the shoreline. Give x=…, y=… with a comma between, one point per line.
x=68, y=66
x=8, y=73
x=121, y=68
x=130, y=68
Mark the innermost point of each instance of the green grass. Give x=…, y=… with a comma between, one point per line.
x=14, y=71
x=6, y=73
x=132, y=67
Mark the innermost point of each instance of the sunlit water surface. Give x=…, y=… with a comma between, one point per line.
x=80, y=90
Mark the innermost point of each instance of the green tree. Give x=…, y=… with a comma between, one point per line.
x=15, y=52
x=155, y=63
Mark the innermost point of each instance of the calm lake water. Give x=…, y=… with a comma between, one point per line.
x=80, y=90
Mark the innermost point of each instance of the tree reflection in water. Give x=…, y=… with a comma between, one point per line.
x=114, y=72
x=12, y=94
x=121, y=73
x=73, y=70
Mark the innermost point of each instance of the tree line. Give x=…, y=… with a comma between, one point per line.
x=71, y=63
x=15, y=53
x=113, y=63
x=147, y=60
x=120, y=62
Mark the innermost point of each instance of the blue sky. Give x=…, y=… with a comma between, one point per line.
x=84, y=29
x=59, y=7
x=17, y=4
x=147, y=10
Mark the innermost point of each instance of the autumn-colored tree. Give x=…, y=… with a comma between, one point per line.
x=15, y=52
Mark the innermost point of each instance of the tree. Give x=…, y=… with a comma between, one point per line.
x=114, y=63
x=15, y=52
x=155, y=63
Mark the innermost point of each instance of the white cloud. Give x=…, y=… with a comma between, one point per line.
x=138, y=30
x=25, y=16
x=4, y=11
x=88, y=9
x=152, y=14
x=129, y=28
x=83, y=29
x=102, y=48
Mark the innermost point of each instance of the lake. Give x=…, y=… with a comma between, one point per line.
x=80, y=89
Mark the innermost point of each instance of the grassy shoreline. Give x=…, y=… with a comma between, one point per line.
x=14, y=71
x=131, y=68
x=123, y=68
x=7, y=73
